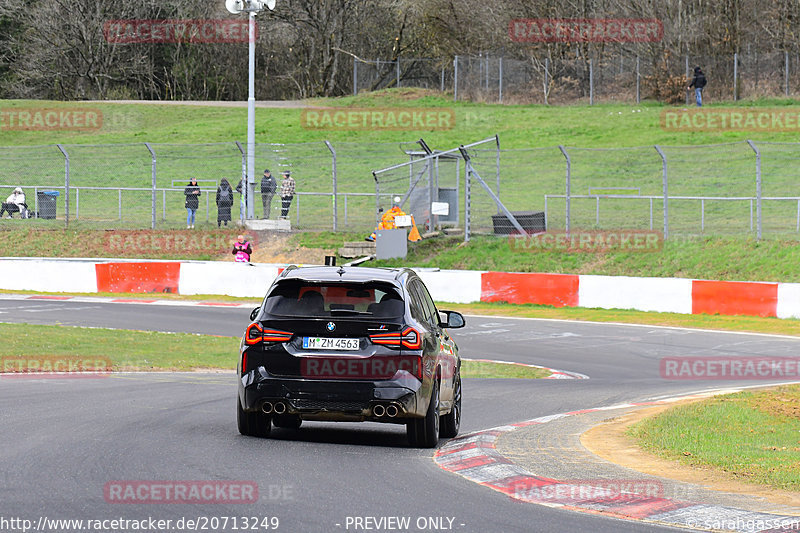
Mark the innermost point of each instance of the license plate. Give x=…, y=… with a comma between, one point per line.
x=329, y=343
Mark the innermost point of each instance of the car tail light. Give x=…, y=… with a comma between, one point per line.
x=256, y=334
x=244, y=363
x=386, y=339
x=418, y=368
x=275, y=335
x=411, y=339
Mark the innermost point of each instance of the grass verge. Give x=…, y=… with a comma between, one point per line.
x=751, y=324
x=148, y=350
x=753, y=436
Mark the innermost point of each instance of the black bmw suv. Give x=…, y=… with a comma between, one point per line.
x=350, y=344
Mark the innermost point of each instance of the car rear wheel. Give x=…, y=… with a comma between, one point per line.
x=424, y=432
x=287, y=421
x=254, y=424
x=451, y=422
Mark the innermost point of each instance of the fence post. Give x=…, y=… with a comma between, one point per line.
x=243, y=201
x=497, y=157
x=153, y=195
x=758, y=188
x=455, y=79
x=665, y=188
x=355, y=77
x=591, y=82
x=442, y=82
x=638, y=81
x=735, y=76
x=397, y=73
x=687, y=77
x=546, y=80
x=501, y=78
x=66, y=187
x=467, y=202
x=335, y=198
x=786, y=72
x=569, y=172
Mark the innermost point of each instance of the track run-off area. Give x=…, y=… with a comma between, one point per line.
x=67, y=443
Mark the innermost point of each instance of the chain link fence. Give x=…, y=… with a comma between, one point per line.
x=618, y=74
x=740, y=188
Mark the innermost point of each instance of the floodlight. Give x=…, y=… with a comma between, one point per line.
x=234, y=6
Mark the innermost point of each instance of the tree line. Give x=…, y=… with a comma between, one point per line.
x=61, y=50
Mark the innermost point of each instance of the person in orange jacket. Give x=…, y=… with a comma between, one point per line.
x=387, y=222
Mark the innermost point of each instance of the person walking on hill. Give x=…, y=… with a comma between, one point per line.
x=192, y=193
x=698, y=82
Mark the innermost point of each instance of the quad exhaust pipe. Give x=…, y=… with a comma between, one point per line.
x=390, y=410
x=278, y=408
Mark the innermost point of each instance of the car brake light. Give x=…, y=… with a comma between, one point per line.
x=256, y=334
x=410, y=338
x=386, y=339
x=244, y=363
x=418, y=368
x=275, y=335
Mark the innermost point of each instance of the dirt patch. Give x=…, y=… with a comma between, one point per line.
x=609, y=441
x=784, y=402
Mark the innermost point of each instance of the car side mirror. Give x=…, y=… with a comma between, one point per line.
x=454, y=320
x=254, y=313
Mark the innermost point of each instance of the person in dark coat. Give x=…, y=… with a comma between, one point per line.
x=192, y=193
x=224, y=202
x=268, y=188
x=698, y=82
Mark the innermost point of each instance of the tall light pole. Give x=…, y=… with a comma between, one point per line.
x=252, y=8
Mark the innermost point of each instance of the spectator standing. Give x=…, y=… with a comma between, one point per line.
x=224, y=202
x=698, y=82
x=192, y=193
x=268, y=188
x=15, y=203
x=287, y=192
x=242, y=250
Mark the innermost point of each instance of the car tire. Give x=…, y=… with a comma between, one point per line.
x=287, y=421
x=451, y=422
x=252, y=424
x=424, y=432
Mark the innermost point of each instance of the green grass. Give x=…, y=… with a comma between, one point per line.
x=26, y=346
x=751, y=436
x=718, y=258
x=482, y=369
x=753, y=324
x=531, y=168
x=131, y=350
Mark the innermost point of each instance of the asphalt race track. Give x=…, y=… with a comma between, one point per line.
x=63, y=440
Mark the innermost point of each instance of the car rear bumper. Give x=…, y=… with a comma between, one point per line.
x=333, y=399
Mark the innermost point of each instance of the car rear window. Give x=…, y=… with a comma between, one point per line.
x=295, y=298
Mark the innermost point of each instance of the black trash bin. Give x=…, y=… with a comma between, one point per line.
x=46, y=201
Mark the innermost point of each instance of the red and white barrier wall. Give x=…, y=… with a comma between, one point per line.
x=672, y=295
